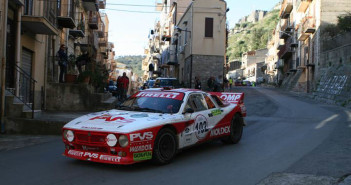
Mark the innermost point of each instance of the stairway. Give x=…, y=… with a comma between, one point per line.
x=14, y=108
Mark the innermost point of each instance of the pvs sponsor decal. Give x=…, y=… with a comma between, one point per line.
x=140, y=148
x=220, y=131
x=109, y=118
x=146, y=136
x=142, y=156
x=201, y=126
x=94, y=156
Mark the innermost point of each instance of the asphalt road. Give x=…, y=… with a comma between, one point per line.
x=283, y=134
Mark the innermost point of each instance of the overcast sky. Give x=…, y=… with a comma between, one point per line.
x=130, y=21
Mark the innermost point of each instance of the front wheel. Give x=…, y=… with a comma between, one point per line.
x=165, y=146
x=236, y=130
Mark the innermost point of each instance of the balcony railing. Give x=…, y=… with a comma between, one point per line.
x=307, y=28
x=94, y=20
x=303, y=5
x=286, y=50
x=286, y=9
x=91, y=5
x=101, y=30
x=40, y=17
x=66, y=15
x=102, y=4
x=79, y=31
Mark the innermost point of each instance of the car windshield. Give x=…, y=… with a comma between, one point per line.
x=167, y=82
x=151, y=83
x=162, y=102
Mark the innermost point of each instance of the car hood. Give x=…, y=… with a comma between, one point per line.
x=121, y=121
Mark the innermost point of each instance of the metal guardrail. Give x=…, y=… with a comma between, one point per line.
x=26, y=87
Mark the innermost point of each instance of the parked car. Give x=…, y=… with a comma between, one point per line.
x=167, y=82
x=154, y=125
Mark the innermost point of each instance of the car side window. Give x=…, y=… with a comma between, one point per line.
x=196, y=102
x=209, y=102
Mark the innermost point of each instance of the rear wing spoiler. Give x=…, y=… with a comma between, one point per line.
x=235, y=98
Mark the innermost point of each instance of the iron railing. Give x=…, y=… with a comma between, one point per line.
x=26, y=87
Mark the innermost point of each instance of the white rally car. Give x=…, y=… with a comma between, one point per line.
x=155, y=124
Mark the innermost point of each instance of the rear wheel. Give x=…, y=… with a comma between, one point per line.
x=165, y=146
x=236, y=130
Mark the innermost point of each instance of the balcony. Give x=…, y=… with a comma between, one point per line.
x=101, y=30
x=65, y=17
x=307, y=28
x=91, y=5
x=19, y=2
x=103, y=42
x=303, y=5
x=286, y=50
x=286, y=9
x=42, y=21
x=93, y=21
x=281, y=44
x=79, y=31
x=102, y=4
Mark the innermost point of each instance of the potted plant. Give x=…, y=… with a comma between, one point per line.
x=71, y=75
x=85, y=76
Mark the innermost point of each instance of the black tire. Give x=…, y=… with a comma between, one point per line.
x=236, y=130
x=165, y=147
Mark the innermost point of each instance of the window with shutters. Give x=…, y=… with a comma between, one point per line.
x=208, y=27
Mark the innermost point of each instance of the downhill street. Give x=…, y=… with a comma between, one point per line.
x=284, y=133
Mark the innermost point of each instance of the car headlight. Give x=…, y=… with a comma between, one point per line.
x=111, y=140
x=123, y=141
x=68, y=135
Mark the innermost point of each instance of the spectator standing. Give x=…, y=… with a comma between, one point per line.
x=211, y=83
x=62, y=61
x=226, y=83
x=230, y=83
x=124, y=84
x=197, y=83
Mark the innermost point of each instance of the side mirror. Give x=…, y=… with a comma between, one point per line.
x=189, y=110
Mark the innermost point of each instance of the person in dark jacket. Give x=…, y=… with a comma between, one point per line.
x=62, y=60
x=197, y=83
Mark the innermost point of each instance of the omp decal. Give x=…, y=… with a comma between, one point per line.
x=146, y=136
x=230, y=97
x=140, y=148
x=142, y=156
x=109, y=118
x=201, y=126
x=171, y=95
x=220, y=131
x=216, y=112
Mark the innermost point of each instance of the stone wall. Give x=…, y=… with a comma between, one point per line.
x=204, y=66
x=72, y=97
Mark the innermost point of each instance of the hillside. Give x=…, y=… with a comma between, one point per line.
x=134, y=62
x=251, y=36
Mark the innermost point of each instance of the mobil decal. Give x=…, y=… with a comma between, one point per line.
x=170, y=95
x=201, y=126
x=220, y=131
x=138, y=137
x=140, y=148
x=109, y=118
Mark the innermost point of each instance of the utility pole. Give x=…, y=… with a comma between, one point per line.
x=3, y=67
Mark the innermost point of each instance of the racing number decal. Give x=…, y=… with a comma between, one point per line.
x=201, y=127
